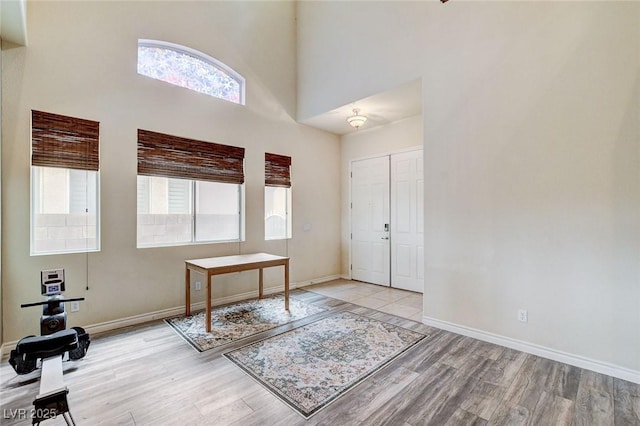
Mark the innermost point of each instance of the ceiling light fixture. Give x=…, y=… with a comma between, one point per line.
x=356, y=120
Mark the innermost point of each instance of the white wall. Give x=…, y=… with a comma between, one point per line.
x=81, y=61
x=1, y=320
x=367, y=143
x=531, y=130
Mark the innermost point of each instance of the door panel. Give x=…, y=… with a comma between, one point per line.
x=403, y=260
x=369, y=214
x=403, y=222
x=407, y=246
x=420, y=272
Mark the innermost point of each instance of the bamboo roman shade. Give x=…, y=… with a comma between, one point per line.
x=176, y=157
x=277, y=170
x=61, y=141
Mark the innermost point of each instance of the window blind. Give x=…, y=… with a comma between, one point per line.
x=61, y=141
x=176, y=157
x=277, y=170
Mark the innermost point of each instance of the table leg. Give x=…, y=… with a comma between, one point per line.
x=260, y=283
x=286, y=285
x=187, y=294
x=208, y=314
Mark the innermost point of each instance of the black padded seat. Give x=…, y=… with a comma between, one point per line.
x=58, y=343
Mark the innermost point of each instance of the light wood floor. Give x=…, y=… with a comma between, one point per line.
x=147, y=375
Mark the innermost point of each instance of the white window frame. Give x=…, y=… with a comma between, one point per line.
x=288, y=216
x=36, y=179
x=193, y=241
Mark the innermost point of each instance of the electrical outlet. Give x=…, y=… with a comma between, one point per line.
x=523, y=316
x=198, y=285
x=75, y=306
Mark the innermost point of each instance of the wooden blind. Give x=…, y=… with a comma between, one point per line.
x=176, y=157
x=277, y=170
x=61, y=141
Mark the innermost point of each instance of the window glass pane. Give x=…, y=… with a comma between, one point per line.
x=83, y=195
x=144, y=194
x=166, y=214
x=189, y=69
x=277, y=212
x=64, y=210
x=179, y=198
x=217, y=211
x=164, y=211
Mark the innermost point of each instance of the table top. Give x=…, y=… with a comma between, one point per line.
x=235, y=260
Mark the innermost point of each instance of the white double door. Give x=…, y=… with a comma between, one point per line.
x=387, y=235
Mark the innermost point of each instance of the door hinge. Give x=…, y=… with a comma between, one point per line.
x=351, y=236
x=351, y=267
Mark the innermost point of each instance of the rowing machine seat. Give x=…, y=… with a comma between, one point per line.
x=29, y=349
x=48, y=345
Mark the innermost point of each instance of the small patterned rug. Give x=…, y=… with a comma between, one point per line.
x=240, y=320
x=311, y=366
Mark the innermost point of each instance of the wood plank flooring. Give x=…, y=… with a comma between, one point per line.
x=147, y=375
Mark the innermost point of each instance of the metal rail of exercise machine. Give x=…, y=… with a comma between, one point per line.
x=51, y=346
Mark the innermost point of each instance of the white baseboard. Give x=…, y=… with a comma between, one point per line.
x=314, y=281
x=103, y=327
x=531, y=348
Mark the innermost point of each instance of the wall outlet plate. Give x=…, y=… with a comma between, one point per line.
x=523, y=315
x=75, y=306
x=198, y=285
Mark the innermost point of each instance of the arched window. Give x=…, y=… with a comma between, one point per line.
x=188, y=68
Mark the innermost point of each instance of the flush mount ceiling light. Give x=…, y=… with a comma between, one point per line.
x=356, y=120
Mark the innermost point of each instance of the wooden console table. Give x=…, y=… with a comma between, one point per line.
x=227, y=264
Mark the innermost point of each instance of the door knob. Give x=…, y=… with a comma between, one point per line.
x=385, y=238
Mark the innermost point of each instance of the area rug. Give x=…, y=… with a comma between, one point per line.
x=311, y=366
x=240, y=320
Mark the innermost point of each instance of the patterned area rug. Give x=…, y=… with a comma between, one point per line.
x=311, y=366
x=240, y=320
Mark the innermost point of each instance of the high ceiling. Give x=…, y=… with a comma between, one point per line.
x=382, y=108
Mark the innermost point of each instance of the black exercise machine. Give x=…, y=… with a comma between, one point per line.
x=51, y=346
